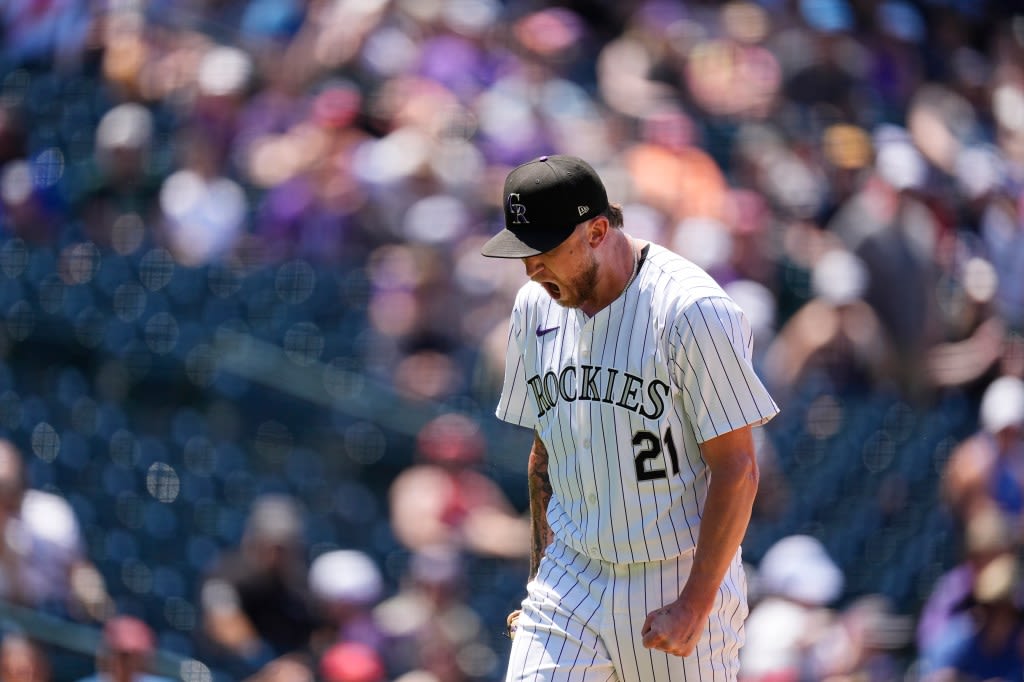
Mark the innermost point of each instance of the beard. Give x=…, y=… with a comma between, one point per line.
x=579, y=289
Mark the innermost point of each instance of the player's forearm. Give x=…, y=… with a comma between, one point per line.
x=539, y=485
x=726, y=516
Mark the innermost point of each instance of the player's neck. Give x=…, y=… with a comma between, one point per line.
x=615, y=275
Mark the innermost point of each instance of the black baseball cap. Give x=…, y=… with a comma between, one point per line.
x=545, y=199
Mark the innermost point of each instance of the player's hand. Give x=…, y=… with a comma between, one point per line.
x=512, y=622
x=674, y=628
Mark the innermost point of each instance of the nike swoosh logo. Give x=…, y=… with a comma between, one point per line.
x=542, y=332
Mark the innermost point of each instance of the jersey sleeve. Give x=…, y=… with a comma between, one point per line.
x=711, y=349
x=514, y=405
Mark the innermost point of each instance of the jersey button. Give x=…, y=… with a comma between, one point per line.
x=586, y=442
x=592, y=498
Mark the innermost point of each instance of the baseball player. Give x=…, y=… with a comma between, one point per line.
x=632, y=367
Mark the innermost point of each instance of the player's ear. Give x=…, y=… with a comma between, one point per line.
x=597, y=230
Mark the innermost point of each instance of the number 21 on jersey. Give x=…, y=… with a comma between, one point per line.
x=649, y=462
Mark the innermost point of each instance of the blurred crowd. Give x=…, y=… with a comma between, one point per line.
x=178, y=172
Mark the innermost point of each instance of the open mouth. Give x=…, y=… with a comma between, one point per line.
x=552, y=289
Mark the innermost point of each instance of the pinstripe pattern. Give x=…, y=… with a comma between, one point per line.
x=622, y=402
x=580, y=616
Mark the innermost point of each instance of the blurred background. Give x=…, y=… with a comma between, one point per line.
x=249, y=353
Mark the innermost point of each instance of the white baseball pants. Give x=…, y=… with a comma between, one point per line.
x=582, y=618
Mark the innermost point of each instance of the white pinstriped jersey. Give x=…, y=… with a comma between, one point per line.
x=623, y=399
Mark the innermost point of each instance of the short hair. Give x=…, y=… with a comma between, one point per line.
x=614, y=215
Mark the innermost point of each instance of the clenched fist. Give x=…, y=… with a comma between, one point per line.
x=511, y=623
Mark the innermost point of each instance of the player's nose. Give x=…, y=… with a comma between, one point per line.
x=532, y=264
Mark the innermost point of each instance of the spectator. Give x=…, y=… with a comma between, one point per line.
x=1001, y=225
x=992, y=647
x=864, y=642
x=203, y=211
x=347, y=585
x=29, y=212
x=836, y=336
x=351, y=662
x=22, y=660
x=445, y=501
x=796, y=584
x=893, y=232
x=944, y=624
x=43, y=564
x=988, y=467
x=41, y=32
x=125, y=652
x=428, y=622
x=121, y=196
x=255, y=600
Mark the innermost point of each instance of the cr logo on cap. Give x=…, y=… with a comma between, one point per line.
x=517, y=210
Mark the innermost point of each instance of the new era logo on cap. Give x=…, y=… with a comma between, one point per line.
x=544, y=201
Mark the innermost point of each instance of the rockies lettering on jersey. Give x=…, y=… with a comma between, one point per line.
x=621, y=389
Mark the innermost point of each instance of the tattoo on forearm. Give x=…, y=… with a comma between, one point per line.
x=540, y=495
